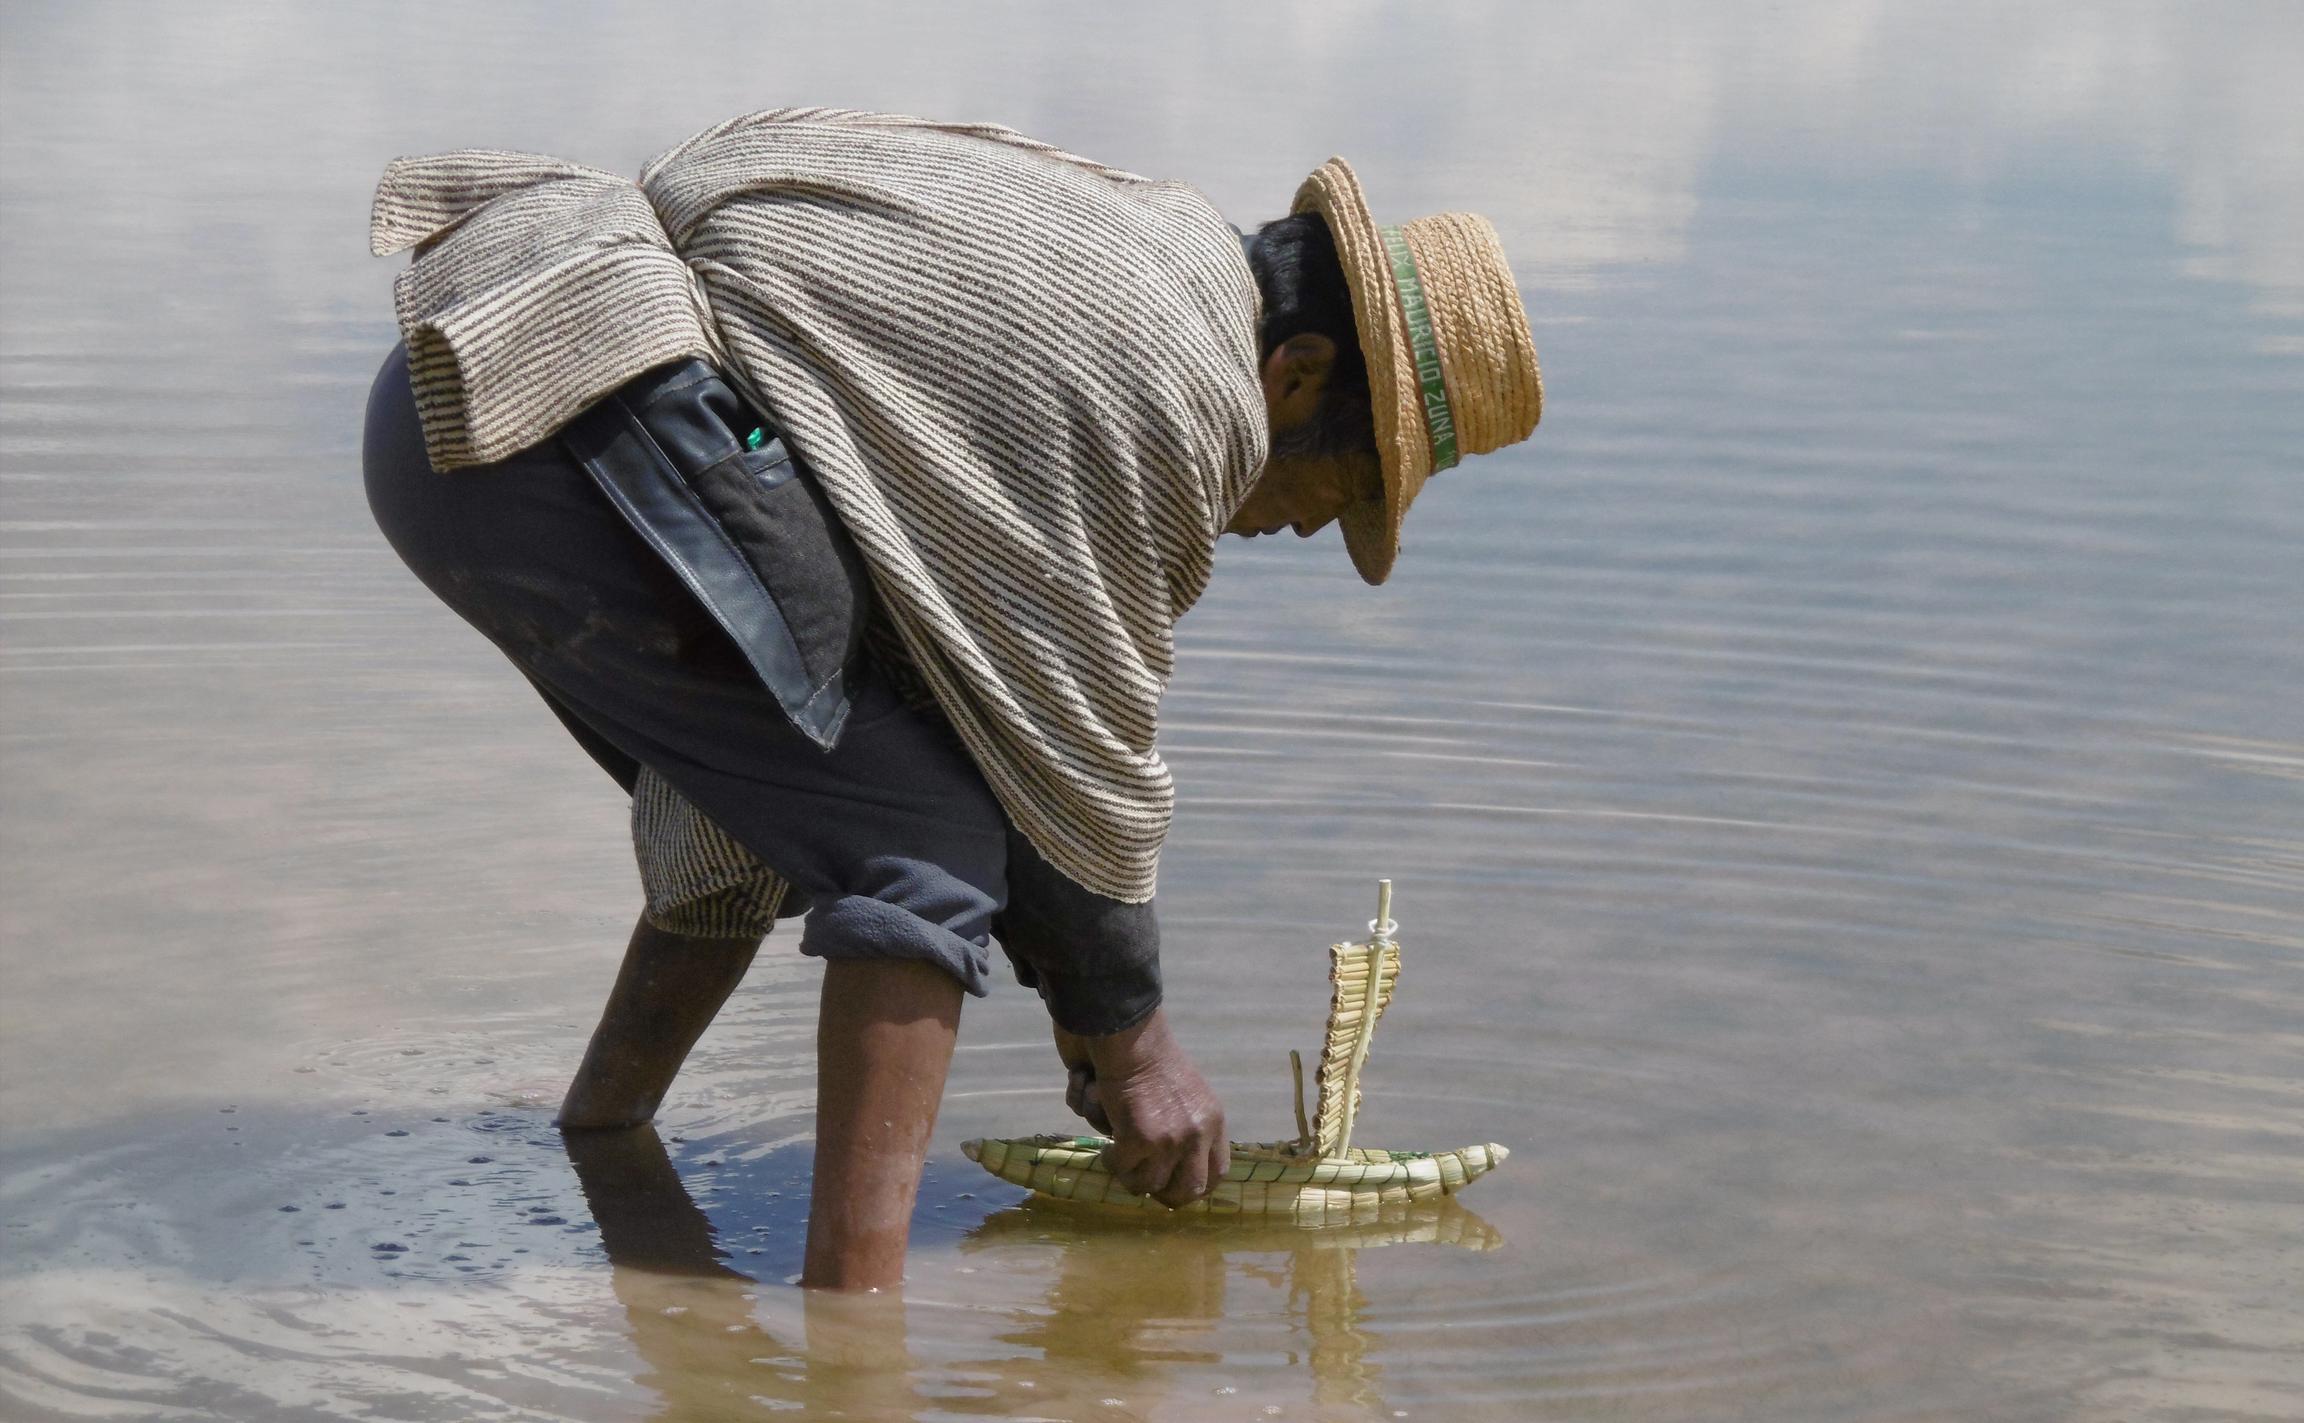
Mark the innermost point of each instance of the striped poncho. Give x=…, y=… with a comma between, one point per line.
x=1028, y=384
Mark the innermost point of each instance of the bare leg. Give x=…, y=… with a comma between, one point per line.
x=665, y=997
x=883, y=1044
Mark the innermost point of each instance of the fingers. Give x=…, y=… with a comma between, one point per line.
x=1082, y=1096
x=1190, y=1181
x=1080, y=1092
x=1175, y=1171
x=1139, y=1166
x=1202, y=1161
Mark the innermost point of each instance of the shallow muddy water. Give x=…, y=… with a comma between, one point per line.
x=1844, y=776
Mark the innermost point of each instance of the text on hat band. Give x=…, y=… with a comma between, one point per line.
x=1437, y=416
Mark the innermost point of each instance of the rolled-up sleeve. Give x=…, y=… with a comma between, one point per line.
x=1095, y=961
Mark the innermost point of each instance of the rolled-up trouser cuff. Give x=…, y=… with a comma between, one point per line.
x=859, y=927
x=699, y=881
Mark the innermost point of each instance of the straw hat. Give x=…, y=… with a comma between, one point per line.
x=1451, y=366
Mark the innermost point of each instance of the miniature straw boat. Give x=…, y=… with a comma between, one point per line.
x=1319, y=1173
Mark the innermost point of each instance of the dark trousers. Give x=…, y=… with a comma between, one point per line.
x=892, y=835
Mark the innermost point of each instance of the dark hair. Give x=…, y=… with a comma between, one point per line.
x=1294, y=259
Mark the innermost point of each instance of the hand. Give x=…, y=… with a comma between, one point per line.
x=1139, y=1088
x=1080, y=1092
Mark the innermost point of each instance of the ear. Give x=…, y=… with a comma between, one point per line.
x=1295, y=375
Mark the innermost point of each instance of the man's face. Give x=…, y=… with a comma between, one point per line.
x=1302, y=491
x=1305, y=493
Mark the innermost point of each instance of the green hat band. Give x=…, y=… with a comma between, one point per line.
x=1437, y=416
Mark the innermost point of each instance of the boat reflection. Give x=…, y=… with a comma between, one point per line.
x=1108, y=1312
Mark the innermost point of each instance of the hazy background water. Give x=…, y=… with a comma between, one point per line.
x=1842, y=775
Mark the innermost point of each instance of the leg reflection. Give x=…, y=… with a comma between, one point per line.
x=648, y=1221
x=693, y=1317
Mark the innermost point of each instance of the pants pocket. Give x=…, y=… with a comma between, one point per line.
x=774, y=510
x=747, y=530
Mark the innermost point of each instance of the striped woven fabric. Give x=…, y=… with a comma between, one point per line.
x=699, y=880
x=1027, y=381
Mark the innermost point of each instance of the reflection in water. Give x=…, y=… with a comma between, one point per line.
x=1106, y=1313
x=693, y=1319
x=1104, y=1320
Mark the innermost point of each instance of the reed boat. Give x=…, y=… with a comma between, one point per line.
x=1318, y=1172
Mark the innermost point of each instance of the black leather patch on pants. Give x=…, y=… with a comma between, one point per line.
x=748, y=530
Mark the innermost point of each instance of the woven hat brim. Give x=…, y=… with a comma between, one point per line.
x=1403, y=447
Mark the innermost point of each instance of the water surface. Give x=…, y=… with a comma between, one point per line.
x=1842, y=776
